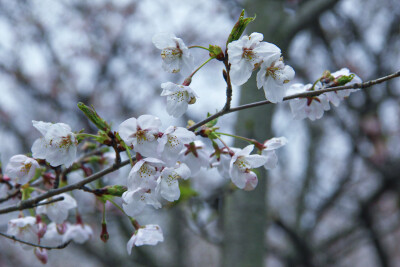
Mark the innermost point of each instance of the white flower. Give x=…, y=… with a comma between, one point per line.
x=58, y=144
x=274, y=76
x=178, y=98
x=172, y=142
x=195, y=156
x=246, y=54
x=135, y=201
x=79, y=233
x=142, y=133
x=57, y=211
x=269, y=151
x=52, y=237
x=150, y=234
x=144, y=174
x=310, y=107
x=24, y=228
x=168, y=185
x=336, y=96
x=21, y=169
x=240, y=167
x=175, y=54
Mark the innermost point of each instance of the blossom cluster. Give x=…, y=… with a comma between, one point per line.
x=314, y=107
x=164, y=158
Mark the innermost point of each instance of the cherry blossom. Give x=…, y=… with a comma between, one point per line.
x=24, y=228
x=246, y=54
x=174, y=52
x=52, y=237
x=150, y=234
x=144, y=174
x=310, y=107
x=336, y=97
x=79, y=233
x=269, y=151
x=274, y=76
x=134, y=201
x=57, y=211
x=240, y=167
x=178, y=98
x=168, y=185
x=58, y=144
x=21, y=169
x=195, y=156
x=142, y=133
x=172, y=142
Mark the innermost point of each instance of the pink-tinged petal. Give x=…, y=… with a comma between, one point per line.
x=256, y=161
x=251, y=181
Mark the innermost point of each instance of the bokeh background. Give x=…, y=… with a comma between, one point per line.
x=332, y=201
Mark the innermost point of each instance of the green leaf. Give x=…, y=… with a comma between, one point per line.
x=94, y=117
x=211, y=123
x=239, y=27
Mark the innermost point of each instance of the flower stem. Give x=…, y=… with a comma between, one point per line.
x=198, y=46
x=251, y=141
x=117, y=206
x=194, y=72
x=223, y=142
x=87, y=135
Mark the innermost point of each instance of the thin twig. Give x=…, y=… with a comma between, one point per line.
x=300, y=95
x=29, y=203
x=34, y=245
x=48, y=202
x=10, y=195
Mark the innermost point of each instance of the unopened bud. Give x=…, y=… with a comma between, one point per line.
x=239, y=28
x=41, y=254
x=61, y=228
x=104, y=236
x=94, y=117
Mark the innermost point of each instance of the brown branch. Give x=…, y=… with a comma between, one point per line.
x=34, y=245
x=29, y=203
x=300, y=95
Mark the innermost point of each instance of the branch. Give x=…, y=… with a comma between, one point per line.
x=300, y=95
x=34, y=245
x=30, y=203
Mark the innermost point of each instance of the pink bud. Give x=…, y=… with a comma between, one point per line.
x=41, y=254
x=104, y=236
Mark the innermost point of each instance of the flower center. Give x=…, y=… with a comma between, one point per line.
x=26, y=167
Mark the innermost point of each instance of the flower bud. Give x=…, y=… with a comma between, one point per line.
x=41, y=254
x=239, y=28
x=104, y=236
x=94, y=117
